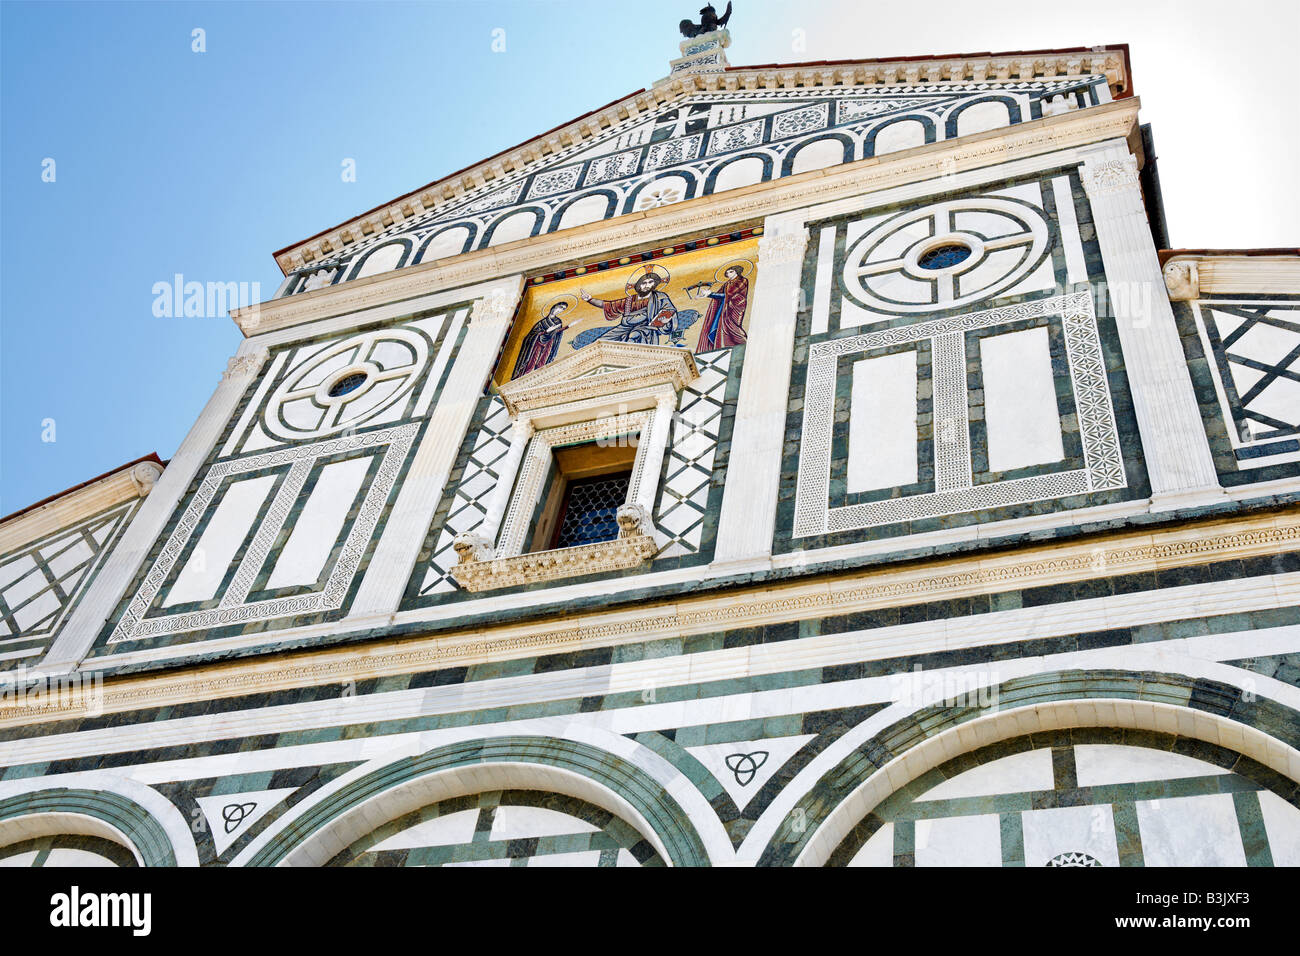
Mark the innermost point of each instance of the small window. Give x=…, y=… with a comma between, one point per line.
x=944, y=257
x=348, y=383
x=588, y=483
x=587, y=514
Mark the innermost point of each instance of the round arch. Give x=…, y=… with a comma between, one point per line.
x=670, y=182
x=818, y=152
x=100, y=813
x=1206, y=710
x=561, y=766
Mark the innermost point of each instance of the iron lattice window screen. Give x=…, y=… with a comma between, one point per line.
x=589, y=512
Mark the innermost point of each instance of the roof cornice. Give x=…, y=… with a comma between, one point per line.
x=133, y=480
x=1190, y=274
x=1111, y=60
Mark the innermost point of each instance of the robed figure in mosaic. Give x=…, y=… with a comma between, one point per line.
x=724, y=321
x=643, y=316
x=542, y=341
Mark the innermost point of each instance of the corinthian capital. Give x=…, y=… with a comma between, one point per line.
x=244, y=366
x=782, y=248
x=497, y=306
x=1110, y=175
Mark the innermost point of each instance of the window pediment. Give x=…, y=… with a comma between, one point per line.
x=602, y=370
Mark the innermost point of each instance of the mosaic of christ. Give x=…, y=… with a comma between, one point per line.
x=696, y=300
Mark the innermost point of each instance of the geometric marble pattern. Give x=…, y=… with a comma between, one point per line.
x=231, y=815
x=503, y=828
x=696, y=136
x=1132, y=814
x=679, y=516
x=40, y=583
x=469, y=506
x=743, y=767
x=235, y=605
x=954, y=488
x=1255, y=364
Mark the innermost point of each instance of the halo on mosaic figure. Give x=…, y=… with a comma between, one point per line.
x=568, y=298
x=721, y=274
x=649, y=268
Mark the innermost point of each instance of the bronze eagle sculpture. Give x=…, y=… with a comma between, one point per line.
x=709, y=21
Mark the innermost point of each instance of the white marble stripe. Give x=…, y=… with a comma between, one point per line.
x=607, y=728
x=830, y=650
x=1076, y=269
x=821, y=304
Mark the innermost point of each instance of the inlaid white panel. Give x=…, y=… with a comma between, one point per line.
x=517, y=226
x=318, y=525
x=882, y=423
x=742, y=172
x=878, y=850
x=71, y=856
x=449, y=830
x=522, y=823
x=903, y=134
x=981, y=117
x=581, y=858
x=1019, y=773
x=1097, y=765
x=959, y=841
x=1020, y=414
x=1068, y=830
x=585, y=210
x=1282, y=824
x=383, y=259
x=446, y=243
x=818, y=155
x=1190, y=831
x=226, y=530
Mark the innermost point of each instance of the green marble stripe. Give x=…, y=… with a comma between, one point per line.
x=1250, y=821
x=1128, y=837
x=904, y=843
x=1012, y=829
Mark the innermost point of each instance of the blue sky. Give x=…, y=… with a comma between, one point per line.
x=170, y=161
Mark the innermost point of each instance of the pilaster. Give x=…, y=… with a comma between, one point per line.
x=748, y=519
x=1174, y=444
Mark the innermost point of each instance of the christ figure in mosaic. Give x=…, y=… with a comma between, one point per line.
x=542, y=341
x=723, y=322
x=642, y=317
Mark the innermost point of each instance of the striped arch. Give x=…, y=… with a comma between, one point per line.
x=514, y=226
x=690, y=185
x=403, y=244
x=561, y=766
x=764, y=165
x=898, y=134
x=587, y=199
x=102, y=813
x=1263, y=730
x=1010, y=116
x=818, y=144
x=443, y=243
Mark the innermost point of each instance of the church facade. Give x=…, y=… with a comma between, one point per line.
x=810, y=464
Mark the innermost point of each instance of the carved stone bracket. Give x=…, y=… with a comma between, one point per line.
x=1183, y=280
x=144, y=476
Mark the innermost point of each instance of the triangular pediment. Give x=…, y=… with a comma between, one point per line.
x=602, y=369
x=695, y=123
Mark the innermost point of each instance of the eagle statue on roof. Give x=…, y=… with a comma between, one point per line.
x=709, y=21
